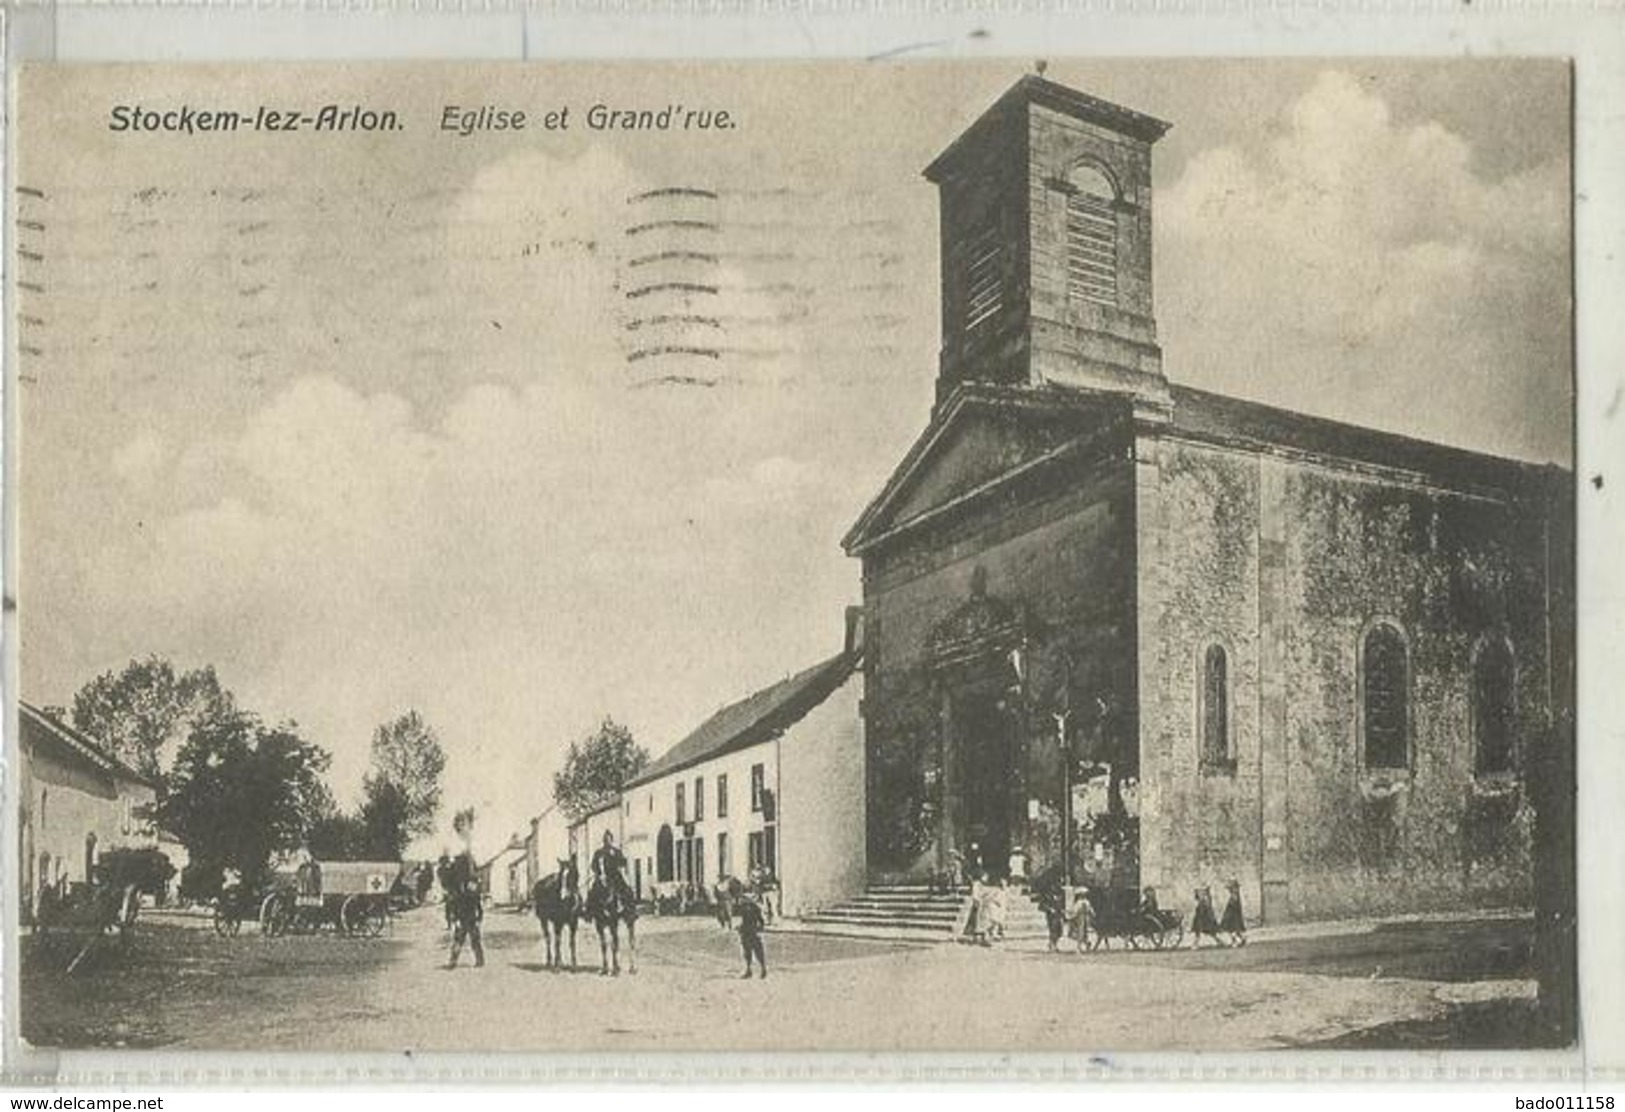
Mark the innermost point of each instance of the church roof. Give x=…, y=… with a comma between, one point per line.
x=1206, y=415
x=1194, y=414
x=42, y=729
x=755, y=718
x=1033, y=89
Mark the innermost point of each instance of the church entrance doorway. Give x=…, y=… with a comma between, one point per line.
x=985, y=741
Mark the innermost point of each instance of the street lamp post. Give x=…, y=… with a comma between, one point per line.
x=1066, y=794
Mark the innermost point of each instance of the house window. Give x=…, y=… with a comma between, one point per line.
x=758, y=785
x=681, y=787
x=1215, y=711
x=699, y=799
x=1494, y=686
x=984, y=277
x=755, y=846
x=1091, y=237
x=722, y=796
x=1385, y=677
x=724, y=865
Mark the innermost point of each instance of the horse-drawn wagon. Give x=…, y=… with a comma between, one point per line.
x=351, y=897
x=1098, y=915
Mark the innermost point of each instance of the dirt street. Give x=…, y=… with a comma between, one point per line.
x=180, y=986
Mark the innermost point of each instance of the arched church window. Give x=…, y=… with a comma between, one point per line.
x=1215, y=711
x=1091, y=236
x=1385, y=680
x=1494, y=684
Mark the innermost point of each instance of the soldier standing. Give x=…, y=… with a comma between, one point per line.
x=751, y=926
x=463, y=893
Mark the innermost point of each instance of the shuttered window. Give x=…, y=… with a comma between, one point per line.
x=1386, y=713
x=984, y=277
x=1091, y=248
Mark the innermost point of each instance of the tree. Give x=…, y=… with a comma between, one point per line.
x=596, y=768
x=407, y=762
x=144, y=712
x=240, y=792
x=385, y=821
x=337, y=836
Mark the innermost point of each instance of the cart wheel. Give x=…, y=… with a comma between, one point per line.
x=225, y=924
x=273, y=916
x=377, y=919
x=1178, y=939
x=352, y=915
x=1155, y=936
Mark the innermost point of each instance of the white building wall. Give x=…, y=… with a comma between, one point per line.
x=649, y=807
x=822, y=839
x=61, y=806
x=549, y=842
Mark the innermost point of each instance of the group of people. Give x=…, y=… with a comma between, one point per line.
x=1232, y=922
x=1051, y=900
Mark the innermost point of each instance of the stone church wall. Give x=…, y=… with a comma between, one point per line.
x=1288, y=564
x=1063, y=558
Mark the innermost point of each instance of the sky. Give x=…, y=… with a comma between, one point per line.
x=372, y=422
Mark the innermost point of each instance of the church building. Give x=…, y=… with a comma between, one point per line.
x=1149, y=635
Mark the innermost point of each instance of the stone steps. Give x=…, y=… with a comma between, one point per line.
x=904, y=912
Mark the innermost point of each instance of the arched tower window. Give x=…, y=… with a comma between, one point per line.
x=1494, y=685
x=1215, y=710
x=1385, y=680
x=1091, y=236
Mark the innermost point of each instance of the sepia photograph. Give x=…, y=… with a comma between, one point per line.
x=1049, y=554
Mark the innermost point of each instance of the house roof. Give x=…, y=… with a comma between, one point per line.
x=40, y=727
x=755, y=718
x=515, y=845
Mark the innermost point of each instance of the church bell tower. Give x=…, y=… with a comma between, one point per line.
x=1045, y=206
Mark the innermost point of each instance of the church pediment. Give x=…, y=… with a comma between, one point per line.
x=980, y=438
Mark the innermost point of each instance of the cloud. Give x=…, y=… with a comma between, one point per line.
x=528, y=562
x=139, y=460
x=1360, y=267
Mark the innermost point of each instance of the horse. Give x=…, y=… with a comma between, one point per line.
x=609, y=906
x=556, y=901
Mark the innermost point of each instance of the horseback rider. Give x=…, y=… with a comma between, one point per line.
x=609, y=868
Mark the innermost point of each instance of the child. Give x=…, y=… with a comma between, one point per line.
x=1204, y=922
x=750, y=934
x=997, y=904
x=1234, y=922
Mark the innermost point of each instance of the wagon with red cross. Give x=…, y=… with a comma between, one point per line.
x=350, y=897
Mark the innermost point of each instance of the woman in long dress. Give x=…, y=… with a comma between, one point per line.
x=1234, y=923
x=1204, y=921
